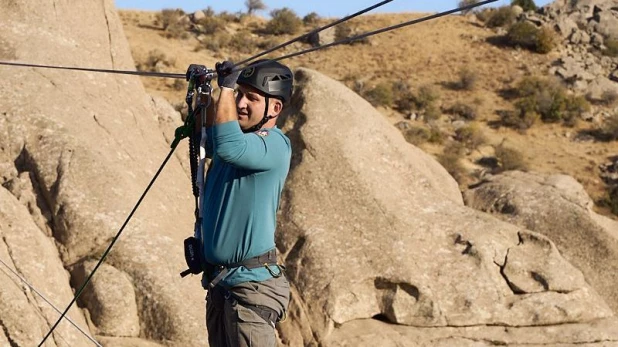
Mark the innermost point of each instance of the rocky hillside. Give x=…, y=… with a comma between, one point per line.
x=380, y=247
x=462, y=67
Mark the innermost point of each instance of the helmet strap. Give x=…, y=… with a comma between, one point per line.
x=261, y=123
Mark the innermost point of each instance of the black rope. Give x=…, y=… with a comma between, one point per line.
x=123, y=72
x=315, y=31
x=81, y=289
x=375, y=32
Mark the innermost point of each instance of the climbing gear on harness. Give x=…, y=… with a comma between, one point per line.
x=193, y=257
x=199, y=78
x=266, y=260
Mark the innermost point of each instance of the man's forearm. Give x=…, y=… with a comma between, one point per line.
x=226, y=108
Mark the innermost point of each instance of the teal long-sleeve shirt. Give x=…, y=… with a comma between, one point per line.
x=241, y=197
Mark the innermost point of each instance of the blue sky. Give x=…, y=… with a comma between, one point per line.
x=323, y=8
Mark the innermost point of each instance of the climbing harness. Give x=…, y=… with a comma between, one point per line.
x=199, y=79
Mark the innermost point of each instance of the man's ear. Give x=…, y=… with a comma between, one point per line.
x=277, y=107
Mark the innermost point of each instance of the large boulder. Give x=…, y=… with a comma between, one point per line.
x=24, y=315
x=372, y=227
x=557, y=206
x=77, y=151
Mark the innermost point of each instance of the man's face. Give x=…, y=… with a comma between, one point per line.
x=250, y=104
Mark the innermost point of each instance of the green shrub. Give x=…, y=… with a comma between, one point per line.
x=522, y=34
x=268, y=43
x=576, y=106
x=426, y=96
x=484, y=14
x=284, y=21
x=345, y=31
x=436, y=135
x=450, y=159
x=169, y=17
x=242, y=42
x=510, y=159
x=612, y=48
x=463, y=3
x=613, y=199
x=520, y=120
x=610, y=127
x=471, y=136
x=432, y=112
x=405, y=102
x=546, y=40
x=416, y=135
x=501, y=17
x=610, y=200
x=467, y=79
x=380, y=95
x=311, y=19
x=528, y=36
x=231, y=17
x=156, y=59
x=463, y=110
x=527, y=5
x=217, y=42
x=549, y=100
x=210, y=25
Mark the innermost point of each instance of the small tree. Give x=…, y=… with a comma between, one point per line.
x=463, y=3
x=284, y=21
x=526, y=5
x=254, y=5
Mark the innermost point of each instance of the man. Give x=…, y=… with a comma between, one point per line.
x=247, y=291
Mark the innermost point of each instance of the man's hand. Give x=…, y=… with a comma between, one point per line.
x=226, y=77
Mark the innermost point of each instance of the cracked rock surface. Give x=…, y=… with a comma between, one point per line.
x=372, y=227
x=558, y=207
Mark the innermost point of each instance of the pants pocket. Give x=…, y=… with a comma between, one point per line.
x=253, y=330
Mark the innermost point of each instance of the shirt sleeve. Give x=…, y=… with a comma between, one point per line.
x=249, y=151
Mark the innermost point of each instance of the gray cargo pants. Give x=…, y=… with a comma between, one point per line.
x=230, y=321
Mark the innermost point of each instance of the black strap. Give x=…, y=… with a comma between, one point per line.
x=266, y=260
x=268, y=314
x=264, y=120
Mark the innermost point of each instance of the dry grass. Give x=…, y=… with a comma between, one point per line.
x=429, y=54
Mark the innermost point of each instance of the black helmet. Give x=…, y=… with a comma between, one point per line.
x=270, y=77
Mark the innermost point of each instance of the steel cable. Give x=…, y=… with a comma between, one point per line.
x=47, y=301
x=314, y=49
x=123, y=72
x=315, y=31
x=81, y=289
x=375, y=32
x=170, y=75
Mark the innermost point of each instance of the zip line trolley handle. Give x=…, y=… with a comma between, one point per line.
x=199, y=78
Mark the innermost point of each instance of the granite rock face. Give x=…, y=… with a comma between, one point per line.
x=77, y=149
x=371, y=227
